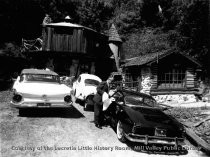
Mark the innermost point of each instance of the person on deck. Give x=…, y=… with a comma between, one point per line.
x=47, y=19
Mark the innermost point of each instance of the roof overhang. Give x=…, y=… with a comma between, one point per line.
x=154, y=57
x=38, y=71
x=71, y=25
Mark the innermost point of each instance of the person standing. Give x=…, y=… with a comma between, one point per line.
x=98, y=106
x=98, y=103
x=105, y=85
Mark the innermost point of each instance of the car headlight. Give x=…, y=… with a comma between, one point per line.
x=17, y=98
x=67, y=98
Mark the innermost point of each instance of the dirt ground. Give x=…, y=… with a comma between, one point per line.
x=68, y=133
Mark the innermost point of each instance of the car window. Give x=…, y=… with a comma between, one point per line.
x=149, y=102
x=42, y=78
x=134, y=100
x=21, y=78
x=91, y=82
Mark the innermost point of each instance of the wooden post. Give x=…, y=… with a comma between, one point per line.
x=139, y=84
x=114, y=43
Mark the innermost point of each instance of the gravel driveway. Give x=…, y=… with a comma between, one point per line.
x=66, y=133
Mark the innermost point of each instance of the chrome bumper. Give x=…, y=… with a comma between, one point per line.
x=34, y=105
x=154, y=139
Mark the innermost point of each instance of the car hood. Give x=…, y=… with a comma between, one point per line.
x=43, y=88
x=150, y=117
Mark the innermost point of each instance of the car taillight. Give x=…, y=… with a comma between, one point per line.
x=17, y=98
x=67, y=98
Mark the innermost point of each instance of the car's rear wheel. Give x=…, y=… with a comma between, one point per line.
x=120, y=132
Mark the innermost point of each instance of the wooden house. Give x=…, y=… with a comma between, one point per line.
x=164, y=72
x=71, y=49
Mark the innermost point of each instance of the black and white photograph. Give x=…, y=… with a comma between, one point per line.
x=104, y=78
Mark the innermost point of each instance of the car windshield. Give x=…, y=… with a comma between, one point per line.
x=40, y=78
x=136, y=100
x=150, y=102
x=91, y=82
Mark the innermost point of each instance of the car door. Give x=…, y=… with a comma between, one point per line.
x=113, y=110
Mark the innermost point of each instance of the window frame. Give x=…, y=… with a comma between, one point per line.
x=174, y=77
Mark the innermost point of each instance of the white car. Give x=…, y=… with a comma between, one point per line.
x=36, y=88
x=85, y=88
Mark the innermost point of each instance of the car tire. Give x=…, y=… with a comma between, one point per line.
x=120, y=132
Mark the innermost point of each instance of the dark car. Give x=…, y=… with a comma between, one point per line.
x=138, y=118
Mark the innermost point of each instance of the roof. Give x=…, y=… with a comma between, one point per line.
x=113, y=34
x=68, y=24
x=153, y=57
x=64, y=24
x=38, y=71
x=90, y=76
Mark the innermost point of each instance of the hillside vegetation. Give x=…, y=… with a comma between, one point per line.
x=145, y=25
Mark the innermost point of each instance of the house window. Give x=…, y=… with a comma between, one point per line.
x=171, y=78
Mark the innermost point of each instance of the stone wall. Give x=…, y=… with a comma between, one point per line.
x=149, y=79
x=175, y=98
x=146, y=80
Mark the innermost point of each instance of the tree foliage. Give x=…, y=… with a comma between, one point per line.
x=149, y=40
x=184, y=23
x=181, y=24
x=95, y=14
x=126, y=16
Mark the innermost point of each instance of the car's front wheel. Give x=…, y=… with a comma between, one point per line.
x=120, y=132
